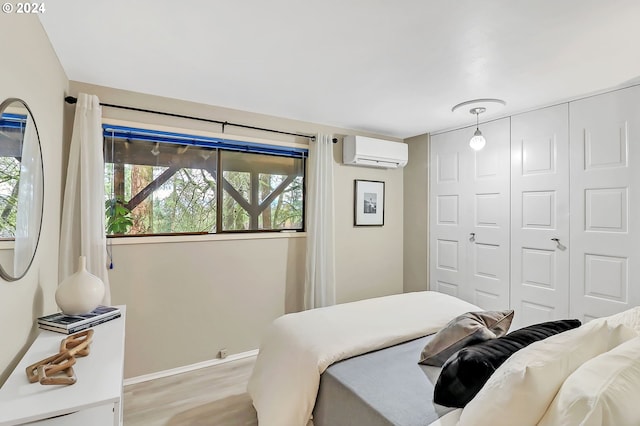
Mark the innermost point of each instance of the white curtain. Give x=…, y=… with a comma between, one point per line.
x=29, y=200
x=320, y=279
x=83, y=232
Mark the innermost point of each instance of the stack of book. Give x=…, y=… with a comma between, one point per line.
x=69, y=324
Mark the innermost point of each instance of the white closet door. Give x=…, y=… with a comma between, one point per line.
x=488, y=192
x=469, y=216
x=447, y=263
x=539, y=214
x=605, y=202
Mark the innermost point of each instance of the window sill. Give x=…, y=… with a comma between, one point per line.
x=7, y=244
x=201, y=238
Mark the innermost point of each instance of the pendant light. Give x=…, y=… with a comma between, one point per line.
x=478, y=106
x=478, y=141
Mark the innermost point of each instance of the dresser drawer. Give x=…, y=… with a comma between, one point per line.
x=102, y=415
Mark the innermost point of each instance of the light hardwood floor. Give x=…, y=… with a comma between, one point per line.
x=209, y=396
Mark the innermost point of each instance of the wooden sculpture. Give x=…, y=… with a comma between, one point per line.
x=57, y=369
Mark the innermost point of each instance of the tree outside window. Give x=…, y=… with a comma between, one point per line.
x=160, y=188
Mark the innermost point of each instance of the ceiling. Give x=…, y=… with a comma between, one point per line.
x=394, y=68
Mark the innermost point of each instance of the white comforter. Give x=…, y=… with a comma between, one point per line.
x=298, y=347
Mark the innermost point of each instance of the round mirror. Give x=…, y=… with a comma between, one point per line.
x=21, y=188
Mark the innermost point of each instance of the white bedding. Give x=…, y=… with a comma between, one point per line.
x=298, y=347
x=449, y=419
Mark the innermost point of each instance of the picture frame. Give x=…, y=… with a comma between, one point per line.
x=368, y=205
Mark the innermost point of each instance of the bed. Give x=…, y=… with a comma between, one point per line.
x=356, y=364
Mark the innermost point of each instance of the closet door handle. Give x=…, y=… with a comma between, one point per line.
x=472, y=237
x=558, y=244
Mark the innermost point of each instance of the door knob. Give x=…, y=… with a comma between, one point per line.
x=472, y=237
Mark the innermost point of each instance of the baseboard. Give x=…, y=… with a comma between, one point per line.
x=187, y=368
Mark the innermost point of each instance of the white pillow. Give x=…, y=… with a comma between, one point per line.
x=630, y=318
x=521, y=389
x=603, y=391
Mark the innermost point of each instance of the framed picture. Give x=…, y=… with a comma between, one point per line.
x=368, y=203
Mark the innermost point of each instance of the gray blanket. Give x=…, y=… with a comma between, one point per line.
x=381, y=388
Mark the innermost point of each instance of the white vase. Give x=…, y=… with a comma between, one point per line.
x=81, y=292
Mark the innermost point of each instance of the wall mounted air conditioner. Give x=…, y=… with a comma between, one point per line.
x=370, y=152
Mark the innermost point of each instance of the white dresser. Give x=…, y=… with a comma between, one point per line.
x=95, y=399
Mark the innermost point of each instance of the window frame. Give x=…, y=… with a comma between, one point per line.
x=240, y=139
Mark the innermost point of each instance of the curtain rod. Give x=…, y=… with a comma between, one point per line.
x=73, y=100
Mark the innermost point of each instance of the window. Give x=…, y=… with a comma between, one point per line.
x=159, y=183
x=11, y=134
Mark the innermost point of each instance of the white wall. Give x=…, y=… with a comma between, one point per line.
x=31, y=71
x=187, y=300
x=369, y=258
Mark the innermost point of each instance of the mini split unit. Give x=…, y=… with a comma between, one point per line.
x=370, y=152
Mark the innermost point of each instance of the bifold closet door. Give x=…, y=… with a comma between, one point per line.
x=605, y=203
x=469, y=216
x=447, y=247
x=540, y=215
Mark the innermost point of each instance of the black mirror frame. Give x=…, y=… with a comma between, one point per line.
x=4, y=274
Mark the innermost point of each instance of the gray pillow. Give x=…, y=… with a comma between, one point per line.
x=460, y=332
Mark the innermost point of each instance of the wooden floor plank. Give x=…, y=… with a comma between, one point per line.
x=208, y=396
